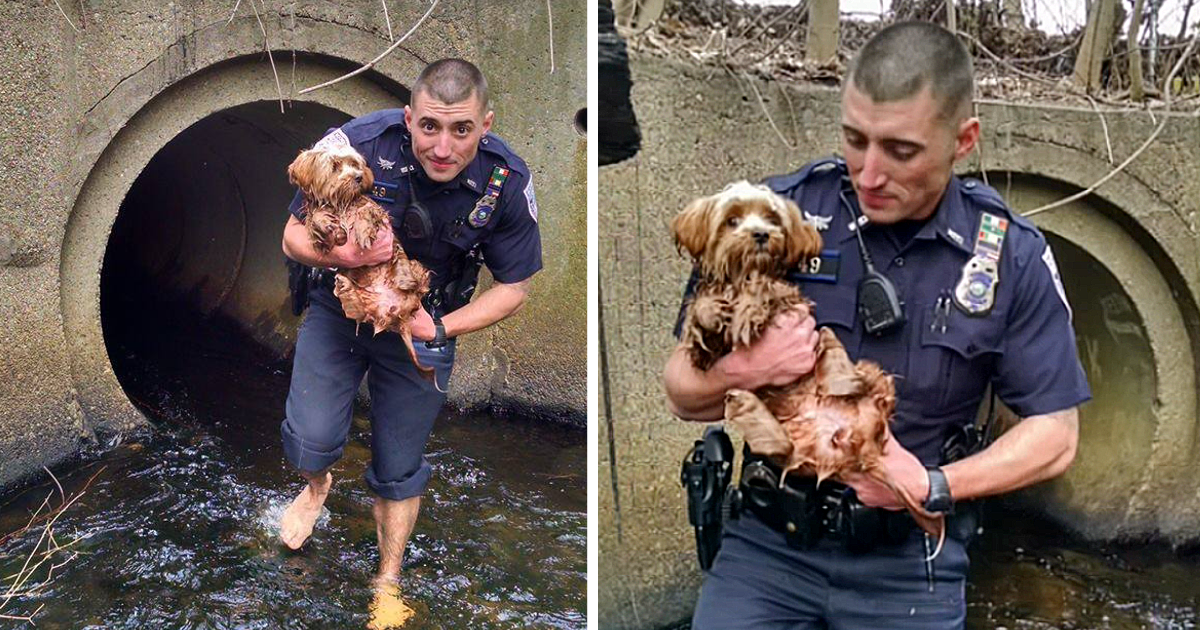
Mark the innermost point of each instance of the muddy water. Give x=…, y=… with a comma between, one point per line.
x=178, y=528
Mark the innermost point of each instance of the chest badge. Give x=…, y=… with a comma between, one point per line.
x=386, y=164
x=482, y=213
x=486, y=205
x=819, y=222
x=975, y=293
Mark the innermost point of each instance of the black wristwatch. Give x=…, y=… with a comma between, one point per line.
x=939, y=499
x=439, y=335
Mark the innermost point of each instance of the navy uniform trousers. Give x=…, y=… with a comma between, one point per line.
x=758, y=582
x=332, y=354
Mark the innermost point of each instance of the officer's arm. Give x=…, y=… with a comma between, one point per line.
x=785, y=352
x=298, y=247
x=498, y=302
x=1036, y=449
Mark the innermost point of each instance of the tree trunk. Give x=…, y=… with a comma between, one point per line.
x=1096, y=40
x=951, y=17
x=1137, y=91
x=822, y=43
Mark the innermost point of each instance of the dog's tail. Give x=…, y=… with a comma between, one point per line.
x=429, y=373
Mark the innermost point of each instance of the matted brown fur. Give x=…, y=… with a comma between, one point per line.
x=833, y=421
x=386, y=296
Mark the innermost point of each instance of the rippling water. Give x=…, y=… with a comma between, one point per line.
x=178, y=529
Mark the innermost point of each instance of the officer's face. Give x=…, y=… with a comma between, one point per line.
x=446, y=136
x=900, y=154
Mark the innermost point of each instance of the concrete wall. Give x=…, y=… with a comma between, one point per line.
x=84, y=113
x=1135, y=279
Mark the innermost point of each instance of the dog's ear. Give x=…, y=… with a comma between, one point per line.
x=368, y=177
x=803, y=240
x=302, y=169
x=691, y=225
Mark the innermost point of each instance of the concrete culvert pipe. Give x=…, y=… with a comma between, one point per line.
x=1137, y=433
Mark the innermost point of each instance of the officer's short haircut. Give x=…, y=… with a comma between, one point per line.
x=452, y=81
x=905, y=58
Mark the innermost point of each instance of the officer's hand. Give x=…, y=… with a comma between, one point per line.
x=350, y=255
x=898, y=464
x=785, y=352
x=422, y=326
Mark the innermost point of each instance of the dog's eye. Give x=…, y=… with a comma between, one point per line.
x=733, y=221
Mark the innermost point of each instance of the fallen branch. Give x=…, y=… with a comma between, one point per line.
x=21, y=578
x=371, y=64
x=1104, y=125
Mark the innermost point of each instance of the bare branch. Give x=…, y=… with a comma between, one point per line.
x=64, y=14
x=550, y=18
x=388, y=19
x=270, y=57
x=1104, y=125
x=763, y=104
x=374, y=61
x=234, y=14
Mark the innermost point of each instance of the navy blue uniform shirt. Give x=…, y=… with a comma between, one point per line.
x=942, y=358
x=511, y=245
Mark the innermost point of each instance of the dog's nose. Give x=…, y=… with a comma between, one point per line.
x=760, y=238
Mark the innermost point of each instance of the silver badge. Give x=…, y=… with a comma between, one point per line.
x=819, y=222
x=386, y=164
x=976, y=290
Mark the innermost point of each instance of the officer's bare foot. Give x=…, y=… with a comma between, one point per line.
x=297, y=523
x=388, y=609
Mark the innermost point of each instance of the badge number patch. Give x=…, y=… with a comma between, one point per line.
x=823, y=268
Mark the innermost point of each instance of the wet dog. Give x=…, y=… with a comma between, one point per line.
x=832, y=422
x=334, y=179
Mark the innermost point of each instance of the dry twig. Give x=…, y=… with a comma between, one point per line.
x=387, y=19
x=763, y=104
x=64, y=14
x=1104, y=125
x=550, y=18
x=371, y=64
x=270, y=57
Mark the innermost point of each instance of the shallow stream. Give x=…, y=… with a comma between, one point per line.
x=178, y=528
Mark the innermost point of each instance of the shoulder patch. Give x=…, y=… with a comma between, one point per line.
x=333, y=142
x=1048, y=258
x=530, y=201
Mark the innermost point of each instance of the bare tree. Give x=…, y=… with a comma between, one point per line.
x=1137, y=91
x=823, y=22
x=1097, y=39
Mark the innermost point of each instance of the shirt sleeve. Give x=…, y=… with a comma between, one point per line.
x=1039, y=371
x=514, y=251
x=296, y=208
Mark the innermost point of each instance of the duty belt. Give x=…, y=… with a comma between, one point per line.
x=805, y=513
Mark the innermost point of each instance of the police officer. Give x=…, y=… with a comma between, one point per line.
x=456, y=195
x=979, y=301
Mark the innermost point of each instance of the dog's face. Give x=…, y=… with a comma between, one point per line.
x=745, y=228
x=335, y=175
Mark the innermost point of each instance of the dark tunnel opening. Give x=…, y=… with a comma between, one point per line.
x=193, y=289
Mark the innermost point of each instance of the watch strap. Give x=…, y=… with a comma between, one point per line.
x=439, y=335
x=939, y=499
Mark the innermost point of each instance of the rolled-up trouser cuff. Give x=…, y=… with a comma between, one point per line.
x=412, y=486
x=307, y=455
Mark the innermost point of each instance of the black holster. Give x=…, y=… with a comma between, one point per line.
x=299, y=280
x=707, y=471
x=457, y=290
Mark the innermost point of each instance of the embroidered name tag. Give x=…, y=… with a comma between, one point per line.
x=384, y=192
x=823, y=268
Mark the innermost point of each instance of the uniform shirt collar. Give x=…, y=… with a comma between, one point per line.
x=949, y=222
x=472, y=177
